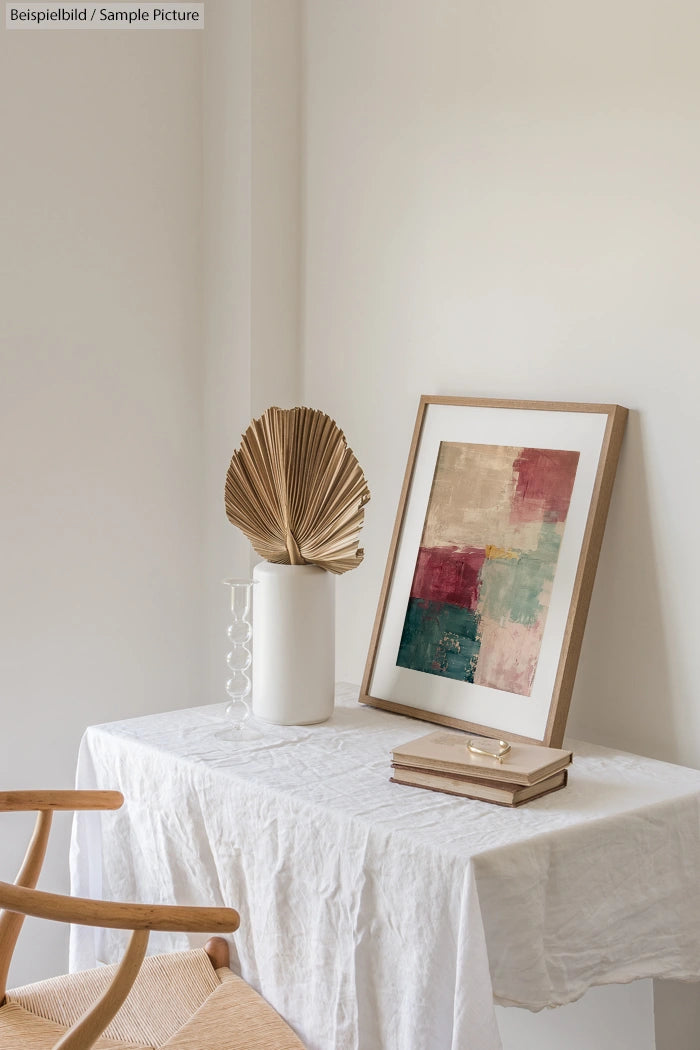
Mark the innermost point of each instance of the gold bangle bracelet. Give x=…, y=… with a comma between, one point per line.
x=503, y=750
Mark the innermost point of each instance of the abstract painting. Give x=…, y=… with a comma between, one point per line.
x=490, y=570
x=486, y=563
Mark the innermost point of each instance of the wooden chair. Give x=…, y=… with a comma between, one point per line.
x=180, y=1001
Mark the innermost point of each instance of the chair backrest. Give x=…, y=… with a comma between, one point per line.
x=22, y=898
x=44, y=803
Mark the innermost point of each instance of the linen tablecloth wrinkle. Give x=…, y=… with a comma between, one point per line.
x=382, y=917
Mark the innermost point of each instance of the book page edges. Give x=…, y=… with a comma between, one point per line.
x=510, y=795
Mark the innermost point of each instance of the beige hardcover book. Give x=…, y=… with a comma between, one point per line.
x=481, y=790
x=446, y=750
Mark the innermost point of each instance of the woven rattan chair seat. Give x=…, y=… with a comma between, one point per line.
x=178, y=1002
x=235, y=1017
x=22, y=1030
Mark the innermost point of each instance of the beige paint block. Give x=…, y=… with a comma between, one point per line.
x=470, y=499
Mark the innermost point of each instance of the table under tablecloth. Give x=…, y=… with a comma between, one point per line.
x=382, y=917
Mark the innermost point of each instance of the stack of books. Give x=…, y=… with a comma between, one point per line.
x=441, y=761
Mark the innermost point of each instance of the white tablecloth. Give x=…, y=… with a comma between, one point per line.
x=382, y=917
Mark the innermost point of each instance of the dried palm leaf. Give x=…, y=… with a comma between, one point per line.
x=297, y=491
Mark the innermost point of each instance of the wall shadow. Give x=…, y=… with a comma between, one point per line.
x=624, y=692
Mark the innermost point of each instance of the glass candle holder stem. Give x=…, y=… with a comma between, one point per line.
x=239, y=659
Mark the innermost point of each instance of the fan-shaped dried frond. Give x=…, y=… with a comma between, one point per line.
x=297, y=491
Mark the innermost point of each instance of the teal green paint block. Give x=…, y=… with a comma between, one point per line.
x=513, y=589
x=440, y=639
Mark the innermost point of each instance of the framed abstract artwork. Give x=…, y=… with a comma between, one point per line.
x=491, y=565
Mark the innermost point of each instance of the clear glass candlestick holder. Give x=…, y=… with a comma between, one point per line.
x=239, y=659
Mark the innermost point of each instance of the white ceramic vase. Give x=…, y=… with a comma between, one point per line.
x=293, y=643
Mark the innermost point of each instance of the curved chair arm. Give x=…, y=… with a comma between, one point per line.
x=22, y=801
x=82, y=911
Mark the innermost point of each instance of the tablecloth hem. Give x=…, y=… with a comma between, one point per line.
x=686, y=977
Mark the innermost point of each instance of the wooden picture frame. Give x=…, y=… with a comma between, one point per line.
x=491, y=564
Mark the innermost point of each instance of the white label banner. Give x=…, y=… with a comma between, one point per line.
x=103, y=16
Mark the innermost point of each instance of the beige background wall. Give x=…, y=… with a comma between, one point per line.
x=100, y=403
x=149, y=303
x=501, y=200
x=251, y=260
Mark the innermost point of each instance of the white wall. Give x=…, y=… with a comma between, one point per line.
x=251, y=290
x=226, y=309
x=501, y=200
x=100, y=404
x=149, y=283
